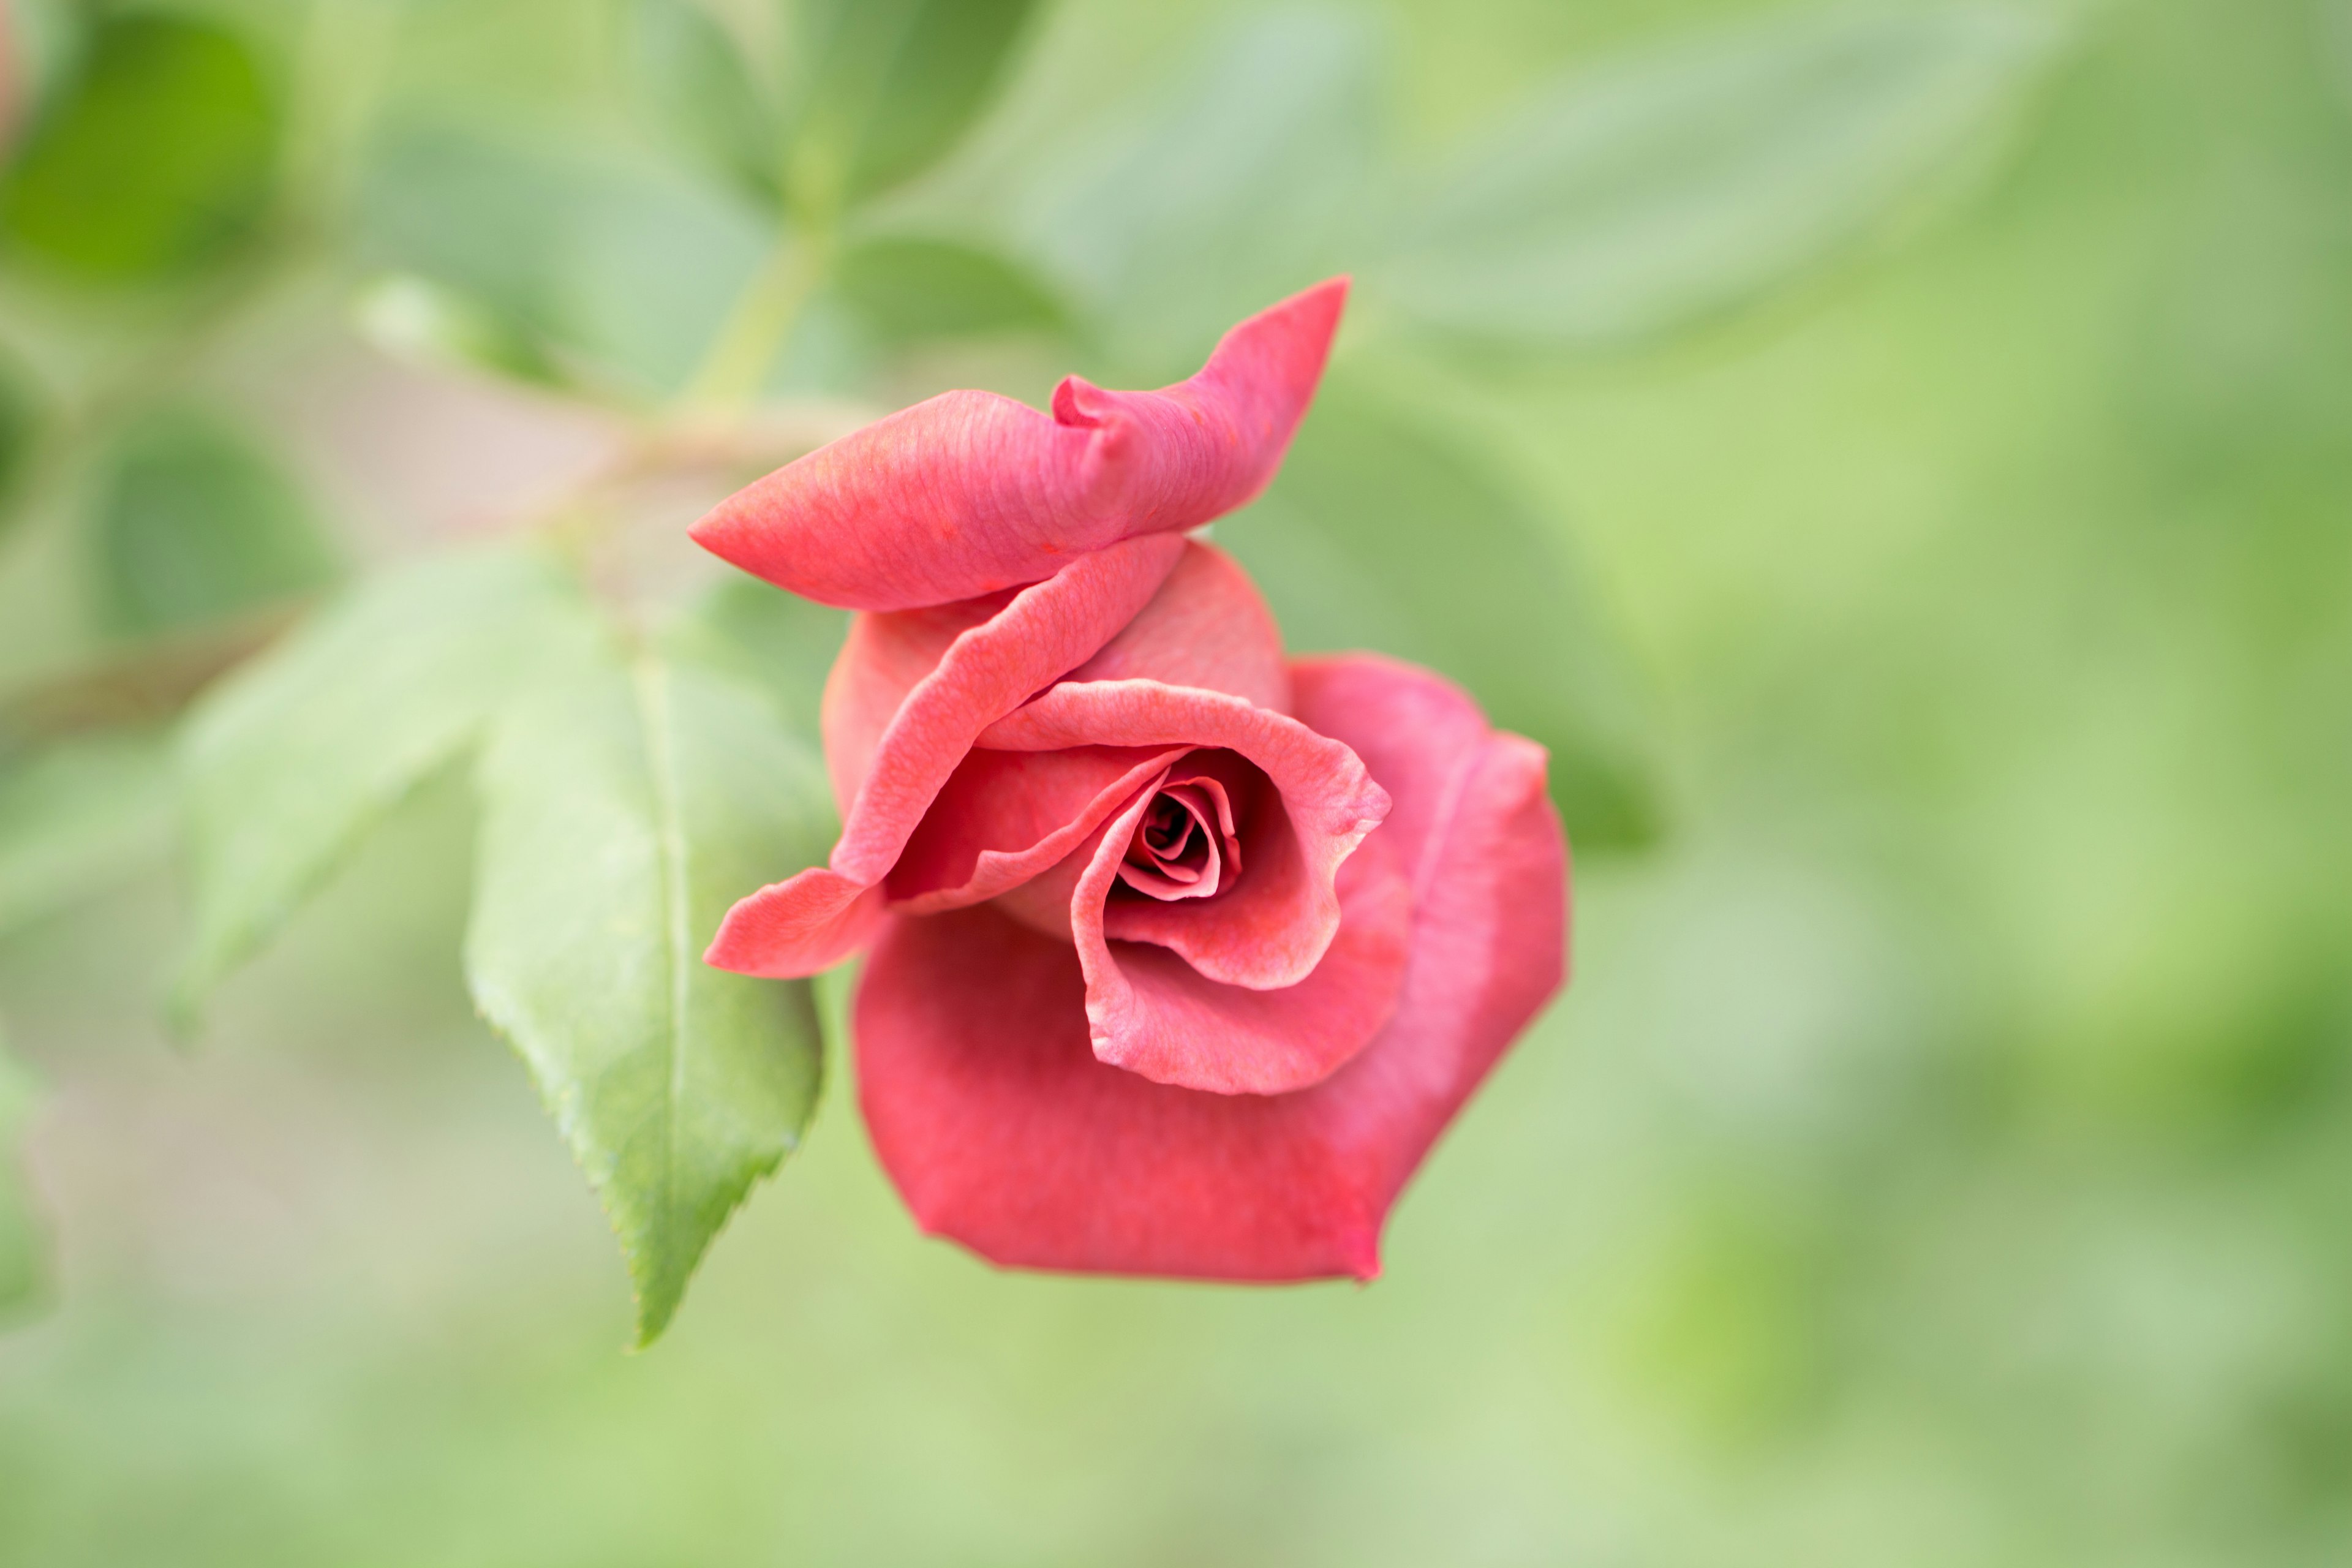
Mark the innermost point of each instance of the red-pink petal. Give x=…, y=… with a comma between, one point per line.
x=1151, y=1010
x=1207, y=627
x=882, y=659
x=1207, y=805
x=1003, y=1132
x=815, y=919
x=1004, y=816
x=970, y=493
x=1283, y=914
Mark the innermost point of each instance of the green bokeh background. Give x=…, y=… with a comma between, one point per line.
x=1943, y=1155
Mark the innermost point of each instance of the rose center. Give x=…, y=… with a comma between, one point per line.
x=1185, y=846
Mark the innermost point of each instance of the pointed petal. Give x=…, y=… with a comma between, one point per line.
x=970, y=493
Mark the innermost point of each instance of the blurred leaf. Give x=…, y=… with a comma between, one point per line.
x=421, y=323
x=696, y=91
x=1389, y=532
x=288, y=762
x=626, y=266
x=191, y=524
x=779, y=642
x=1631, y=198
x=20, y=427
x=23, y=1247
x=79, y=818
x=907, y=289
x=624, y=810
x=153, y=159
x=1246, y=185
x=886, y=88
x=41, y=37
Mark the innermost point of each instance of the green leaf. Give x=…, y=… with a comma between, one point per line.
x=288, y=762
x=423, y=322
x=624, y=810
x=907, y=289
x=1247, y=185
x=695, y=90
x=192, y=524
x=81, y=818
x=153, y=159
x=887, y=88
x=779, y=642
x=1386, y=530
x=1636, y=196
x=23, y=1245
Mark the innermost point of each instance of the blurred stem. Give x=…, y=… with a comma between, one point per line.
x=141, y=684
x=764, y=315
x=154, y=679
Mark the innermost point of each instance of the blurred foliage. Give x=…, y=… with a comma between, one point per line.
x=190, y=525
x=291, y=762
x=172, y=119
x=698, y=91
x=20, y=427
x=1676, y=181
x=434, y=326
x=22, y=1255
x=80, y=817
x=912, y=289
x=885, y=88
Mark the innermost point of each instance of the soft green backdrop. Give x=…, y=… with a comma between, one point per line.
x=1944, y=1154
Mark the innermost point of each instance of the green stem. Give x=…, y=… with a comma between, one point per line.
x=764, y=316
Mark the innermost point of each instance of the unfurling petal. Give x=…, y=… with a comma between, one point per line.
x=1284, y=911
x=1189, y=844
x=970, y=493
x=1152, y=1010
x=816, y=919
x=1004, y=1131
x=1005, y=816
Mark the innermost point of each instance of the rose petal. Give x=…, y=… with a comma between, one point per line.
x=1207, y=810
x=1206, y=627
x=1154, y=1012
x=1003, y=1133
x=1004, y=816
x=882, y=659
x=1271, y=929
x=815, y=919
x=970, y=493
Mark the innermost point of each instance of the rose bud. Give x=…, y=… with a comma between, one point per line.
x=1181, y=953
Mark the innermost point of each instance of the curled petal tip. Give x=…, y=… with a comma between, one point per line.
x=969, y=492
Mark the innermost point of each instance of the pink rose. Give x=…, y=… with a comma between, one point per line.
x=1181, y=953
